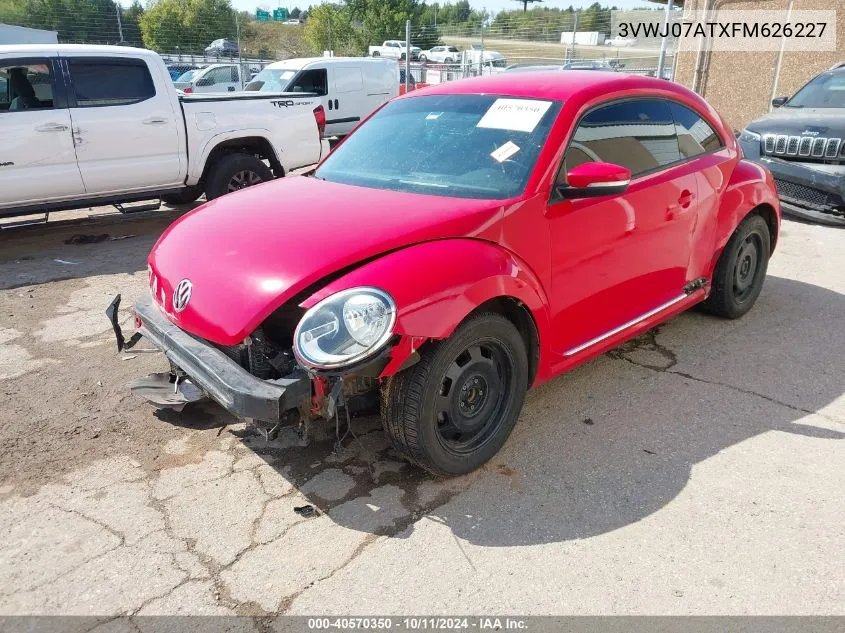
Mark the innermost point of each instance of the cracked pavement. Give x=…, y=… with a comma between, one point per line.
x=698, y=469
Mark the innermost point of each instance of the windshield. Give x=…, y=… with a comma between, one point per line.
x=463, y=146
x=271, y=80
x=187, y=76
x=825, y=91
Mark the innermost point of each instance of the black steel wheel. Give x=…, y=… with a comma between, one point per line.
x=454, y=409
x=741, y=270
x=233, y=172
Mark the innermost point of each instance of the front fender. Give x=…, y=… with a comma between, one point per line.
x=750, y=186
x=437, y=284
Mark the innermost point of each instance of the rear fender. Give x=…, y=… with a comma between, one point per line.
x=437, y=284
x=751, y=185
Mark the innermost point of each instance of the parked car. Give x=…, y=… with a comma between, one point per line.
x=476, y=55
x=215, y=78
x=185, y=79
x=620, y=42
x=465, y=243
x=802, y=142
x=177, y=70
x=91, y=125
x=523, y=68
x=395, y=49
x=222, y=47
x=441, y=55
x=349, y=88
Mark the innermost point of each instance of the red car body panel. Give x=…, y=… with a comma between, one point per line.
x=592, y=271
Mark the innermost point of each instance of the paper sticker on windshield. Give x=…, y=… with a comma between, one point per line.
x=518, y=115
x=431, y=116
x=505, y=151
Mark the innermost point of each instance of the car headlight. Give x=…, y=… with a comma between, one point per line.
x=345, y=328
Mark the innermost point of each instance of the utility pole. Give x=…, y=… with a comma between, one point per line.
x=661, y=61
x=238, y=35
x=331, y=54
x=481, y=57
x=571, y=51
x=119, y=24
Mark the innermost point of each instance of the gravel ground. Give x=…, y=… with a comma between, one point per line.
x=699, y=469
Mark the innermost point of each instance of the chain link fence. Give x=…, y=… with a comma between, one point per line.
x=196, y=34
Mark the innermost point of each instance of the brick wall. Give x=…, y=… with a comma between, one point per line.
x=740, y=85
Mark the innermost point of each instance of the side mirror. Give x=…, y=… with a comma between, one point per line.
x=591, y=180
x=779, y=101
x=205, y=81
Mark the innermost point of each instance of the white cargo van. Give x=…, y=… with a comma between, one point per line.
x=350, y=88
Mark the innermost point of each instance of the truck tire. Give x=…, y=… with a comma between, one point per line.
x=186, y=196
x=741, y=270
x=376, y=54
x=453, y=410
x=232, y=172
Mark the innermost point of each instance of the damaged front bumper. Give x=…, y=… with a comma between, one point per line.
x=811, y=191
x=210, y=370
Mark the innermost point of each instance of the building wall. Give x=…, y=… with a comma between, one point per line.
x=741, y=85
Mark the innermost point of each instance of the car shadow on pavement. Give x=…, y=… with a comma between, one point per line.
x=611, y=442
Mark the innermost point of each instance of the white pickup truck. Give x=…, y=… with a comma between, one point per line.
x=90, y=125
x=395, y=49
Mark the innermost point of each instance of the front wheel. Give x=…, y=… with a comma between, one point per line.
x=233, y=172
x=453, y=410
x=376, y=54
x=741, y=270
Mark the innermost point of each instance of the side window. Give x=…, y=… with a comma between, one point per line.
x=315, y=80
x=26, y=85
x=110, y=82
x=222, y=75
x=234, y=74
x=637, y=134
x=695, y=136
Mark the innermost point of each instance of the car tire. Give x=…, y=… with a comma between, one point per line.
x=454, y=409
x=376, y=54
x=186, y=196
x=741, y=270
x=232, y=172
x=423, y=58
x=448, y=60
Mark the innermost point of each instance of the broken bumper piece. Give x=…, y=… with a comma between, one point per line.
x=209, y=371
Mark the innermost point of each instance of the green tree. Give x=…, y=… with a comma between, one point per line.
x=186, y=25
x=525, y=4
x=330, y=21
x=295, y=13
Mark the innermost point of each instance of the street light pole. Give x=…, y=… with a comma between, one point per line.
x=661, y=61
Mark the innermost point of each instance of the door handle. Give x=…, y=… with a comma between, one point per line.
x=155, y=120
x=684, y=202
x=336, y=104
x=52, y=127
x=685, y=199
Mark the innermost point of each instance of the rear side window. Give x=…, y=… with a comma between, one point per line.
x=695, y=136
x=25, y=85
x=110, y=82
x=639, y=135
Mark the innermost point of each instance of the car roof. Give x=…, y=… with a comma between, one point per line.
x=53, y=49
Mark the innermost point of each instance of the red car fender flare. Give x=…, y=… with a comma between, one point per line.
x=437, y=284
x=751, y=186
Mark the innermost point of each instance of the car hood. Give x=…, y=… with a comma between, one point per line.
x=247, y=253
x=824, y=122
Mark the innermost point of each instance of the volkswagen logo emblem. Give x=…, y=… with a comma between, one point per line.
x=182, y=294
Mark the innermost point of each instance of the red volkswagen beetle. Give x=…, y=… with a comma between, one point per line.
x=464, y=244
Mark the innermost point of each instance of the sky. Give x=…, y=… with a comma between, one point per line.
x=491, y=5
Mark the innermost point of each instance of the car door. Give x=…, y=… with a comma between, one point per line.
x=126, y=134
x=615, y=260
x=347, y=82
x=316, y=80
x=37, y=158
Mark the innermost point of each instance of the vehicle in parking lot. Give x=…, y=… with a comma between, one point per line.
x=394, y=49
x=178, y=70
x=441, y=55
x=802, y=142
x=87, y=125
x=477, y=55
x=465, y=243
x=215, y=78
x=588, y=65
x=222, y=47
x=349, y=88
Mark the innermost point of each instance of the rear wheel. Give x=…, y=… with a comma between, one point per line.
x=741, y=270
x=454, y=409
x=233, y=172
x=448, y=60
x=376, y=54
x=422, y=58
